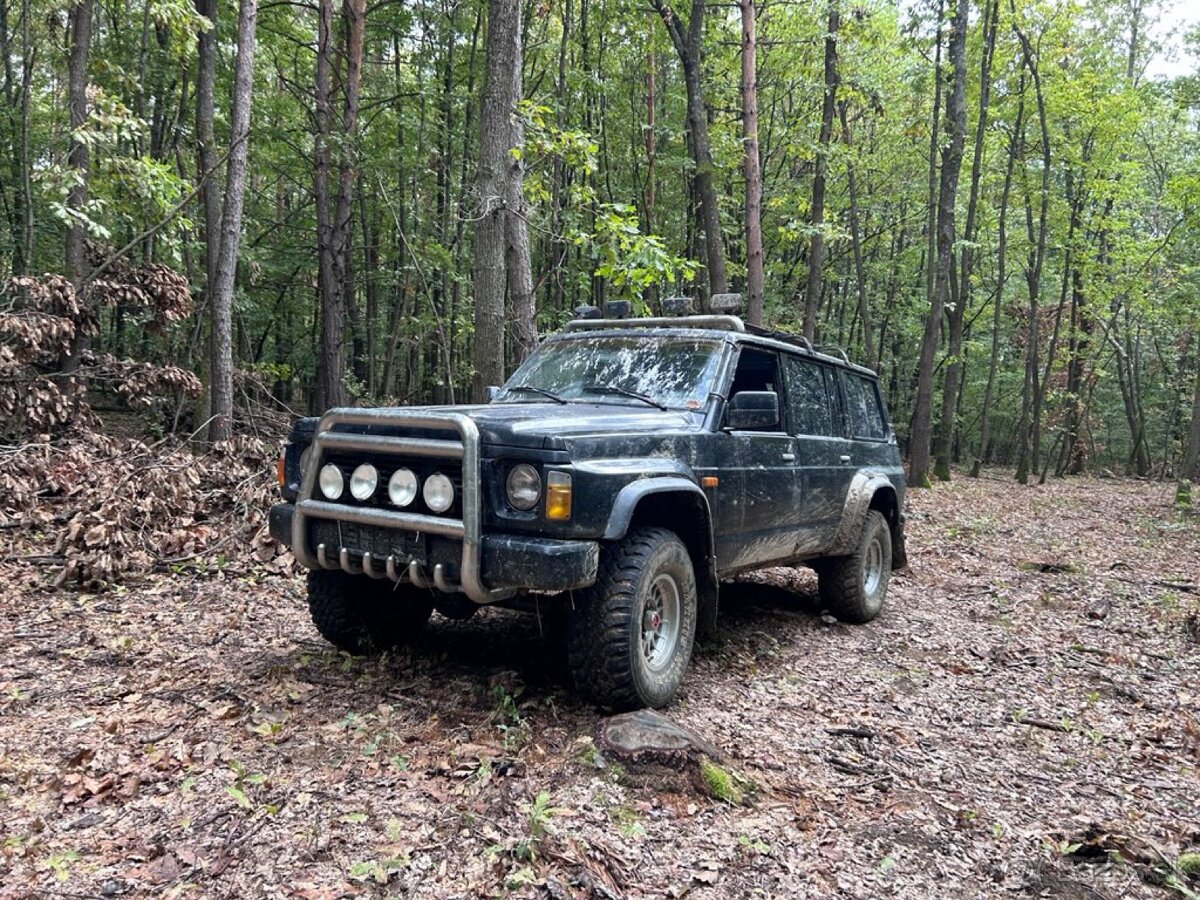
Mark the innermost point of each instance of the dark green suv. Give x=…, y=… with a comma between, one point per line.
x=626, y=468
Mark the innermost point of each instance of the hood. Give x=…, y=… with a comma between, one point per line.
x=542, y=425
x=538, y=426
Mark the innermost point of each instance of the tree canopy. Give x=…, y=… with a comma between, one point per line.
x=993, y=203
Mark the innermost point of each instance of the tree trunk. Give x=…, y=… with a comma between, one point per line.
x=501, y=239
x=934, y=139
x=688, y=46
x=335, y=212
x=77, y=158
x=754, y=243
x=332, y=391
x=206, y=166
x=860, y=276
x=1001, y=277
x=1191, y=456
x=816, y=249
x=354, y=26
x=952, y=153
x=1029, y=432
x=950, y=384
x=221, y=289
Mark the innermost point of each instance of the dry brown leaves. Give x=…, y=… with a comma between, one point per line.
x=110, y=509
x=188, y=735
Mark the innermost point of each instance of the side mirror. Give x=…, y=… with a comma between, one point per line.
x=752, y=410
x=491, y=392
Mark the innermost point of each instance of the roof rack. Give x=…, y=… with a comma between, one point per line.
x=786, y=337
x=831, y=350
x=718, y=323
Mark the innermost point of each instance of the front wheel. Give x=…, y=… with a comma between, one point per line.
x=361, y=615
x=854, y=587
x=630, y=635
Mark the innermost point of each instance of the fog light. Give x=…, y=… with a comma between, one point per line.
x=364, y=481
x=558, y=496
x=438, y=492
x=402, y=487
x=332, y=483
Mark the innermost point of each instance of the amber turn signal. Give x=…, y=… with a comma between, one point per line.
x=280, y=472
x=709, y=481
x=558, y=496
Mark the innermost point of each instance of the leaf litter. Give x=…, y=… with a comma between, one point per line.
x=179, y=730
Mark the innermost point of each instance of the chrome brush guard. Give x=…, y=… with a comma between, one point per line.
x=468, y=529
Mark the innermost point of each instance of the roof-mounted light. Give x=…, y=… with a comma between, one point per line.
x=726, y=303
x=676, y=306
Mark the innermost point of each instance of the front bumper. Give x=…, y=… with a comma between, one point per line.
x=508, y=562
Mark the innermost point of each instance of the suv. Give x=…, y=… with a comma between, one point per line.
x=624, y=470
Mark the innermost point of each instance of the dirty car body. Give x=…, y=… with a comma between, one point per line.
x=745, y=449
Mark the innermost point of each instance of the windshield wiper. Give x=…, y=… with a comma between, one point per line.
x=624, y=392
x=529, y=388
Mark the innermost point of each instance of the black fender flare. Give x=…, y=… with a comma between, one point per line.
x=863, y=488
x=621, y=517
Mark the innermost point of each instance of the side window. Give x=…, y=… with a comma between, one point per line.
x=758, y=370
x=808, y=397
x=862, y=407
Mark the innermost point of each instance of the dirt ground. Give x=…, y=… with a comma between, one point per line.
x=1023, y=720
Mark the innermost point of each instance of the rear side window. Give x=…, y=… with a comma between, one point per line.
x=808, y=397
x=863, y=409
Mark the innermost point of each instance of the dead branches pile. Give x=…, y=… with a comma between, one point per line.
x=113, y=509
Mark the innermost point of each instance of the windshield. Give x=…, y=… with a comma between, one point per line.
x=628, y=369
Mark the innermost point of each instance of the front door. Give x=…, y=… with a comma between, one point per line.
x=764, y=461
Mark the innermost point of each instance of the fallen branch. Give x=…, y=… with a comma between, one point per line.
x=857, y=731
x=1043, y=723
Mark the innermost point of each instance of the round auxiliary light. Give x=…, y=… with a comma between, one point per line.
x=331, y=481
x=438, y=492
x=363, y=481
x=524, y=486
x=402, y=487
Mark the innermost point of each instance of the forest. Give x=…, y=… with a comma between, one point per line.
x=217, y=216
x=211, y=212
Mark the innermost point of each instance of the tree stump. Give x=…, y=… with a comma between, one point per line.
x=655, y=751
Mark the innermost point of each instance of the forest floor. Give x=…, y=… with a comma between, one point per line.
x=1023, y=720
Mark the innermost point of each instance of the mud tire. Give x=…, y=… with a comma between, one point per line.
x=854, y=587
x=363, y=616
x=641, y=579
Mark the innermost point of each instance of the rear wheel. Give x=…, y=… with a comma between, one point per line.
x=361, y=615
x=854, y=587
x=630, y=635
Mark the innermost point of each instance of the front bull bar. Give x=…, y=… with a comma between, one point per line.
x=468, y=529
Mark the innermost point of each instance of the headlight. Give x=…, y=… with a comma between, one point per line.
x=332, y=483
x=402, y=487
x=305, y=459
x=524, y=486
x=364, y=481
x=438, y=492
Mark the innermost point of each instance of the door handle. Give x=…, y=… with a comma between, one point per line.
x=845, y=457
x=789, y=457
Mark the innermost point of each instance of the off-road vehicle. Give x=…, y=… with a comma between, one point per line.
x=625, y=469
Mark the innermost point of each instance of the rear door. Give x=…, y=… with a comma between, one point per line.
x=822, y=451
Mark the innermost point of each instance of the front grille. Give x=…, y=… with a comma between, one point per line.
x=386, y=465
x=358, y=539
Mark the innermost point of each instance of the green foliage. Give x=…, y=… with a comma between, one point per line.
x=610, y=200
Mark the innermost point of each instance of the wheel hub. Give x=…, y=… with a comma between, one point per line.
x=661, y=617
